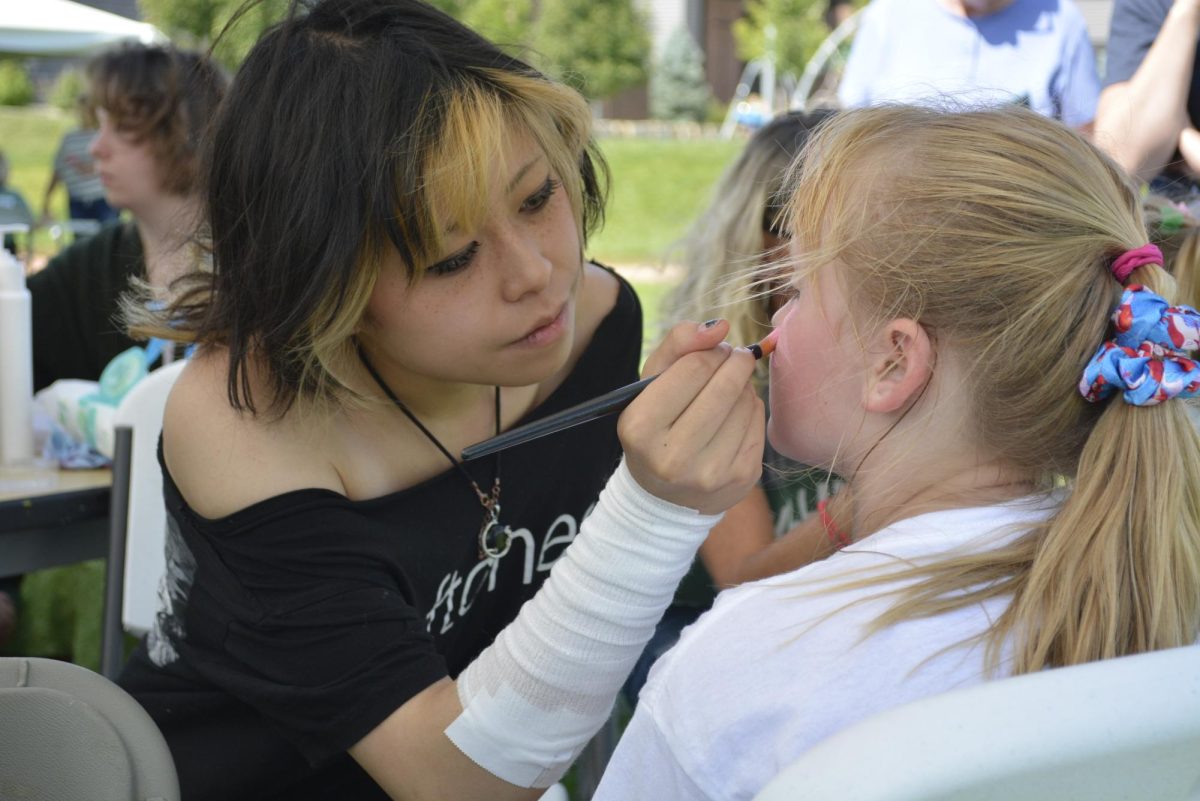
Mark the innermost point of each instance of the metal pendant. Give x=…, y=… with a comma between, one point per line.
x=495, y=538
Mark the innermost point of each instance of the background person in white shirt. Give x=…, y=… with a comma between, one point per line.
x=972, y=53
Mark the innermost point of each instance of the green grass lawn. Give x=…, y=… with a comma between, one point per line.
x=658, y=188
x=651, y=292
x=29, y=137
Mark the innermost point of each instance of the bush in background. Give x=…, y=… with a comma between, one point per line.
x=508, y=23
x=678, y=89
x=597, y=46
x=15, y=87
x=67, y=88
x=231, y=27
x=788, y=31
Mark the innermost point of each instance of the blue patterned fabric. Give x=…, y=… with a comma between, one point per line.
x=1147, y=359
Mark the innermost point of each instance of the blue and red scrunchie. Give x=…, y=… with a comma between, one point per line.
x=1147, y=359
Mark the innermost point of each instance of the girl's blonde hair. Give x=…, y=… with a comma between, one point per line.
x=995, y=229
x=721, y=251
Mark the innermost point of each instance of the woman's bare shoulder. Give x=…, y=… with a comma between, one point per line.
x=224, y=459
x=598, y=294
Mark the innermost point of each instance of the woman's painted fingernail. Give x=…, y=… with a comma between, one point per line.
x=709, y=323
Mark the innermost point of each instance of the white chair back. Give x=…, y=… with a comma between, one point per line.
x=1118, y=729
x=69, y=734
x=145, y=532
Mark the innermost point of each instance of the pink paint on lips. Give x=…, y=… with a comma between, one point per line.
x=768, y=342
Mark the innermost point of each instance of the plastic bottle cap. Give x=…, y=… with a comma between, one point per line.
x=12, y=273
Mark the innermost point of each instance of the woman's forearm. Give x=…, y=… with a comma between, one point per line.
x=1139, y=121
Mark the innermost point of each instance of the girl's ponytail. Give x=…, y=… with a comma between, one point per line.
x=1117, y=570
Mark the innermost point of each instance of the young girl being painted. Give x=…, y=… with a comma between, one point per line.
x=983, y=345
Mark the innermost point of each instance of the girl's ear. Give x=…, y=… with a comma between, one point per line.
x=899, y=367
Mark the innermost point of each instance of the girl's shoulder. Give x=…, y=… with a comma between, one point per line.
x=223, y=459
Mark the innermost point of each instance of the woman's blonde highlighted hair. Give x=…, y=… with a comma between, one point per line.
x=449, y=186
x=995, y=229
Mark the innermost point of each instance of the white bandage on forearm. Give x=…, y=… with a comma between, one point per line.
x=533, y=699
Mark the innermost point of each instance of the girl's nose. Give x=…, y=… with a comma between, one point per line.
x=782, y=313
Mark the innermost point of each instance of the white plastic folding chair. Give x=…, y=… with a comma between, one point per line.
x=137, y=517
x=69, y=734
x=1118, y=730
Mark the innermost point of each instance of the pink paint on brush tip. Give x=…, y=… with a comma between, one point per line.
x=766, y=346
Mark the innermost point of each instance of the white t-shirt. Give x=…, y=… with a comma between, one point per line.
x=1034, y=52
x=773, y=668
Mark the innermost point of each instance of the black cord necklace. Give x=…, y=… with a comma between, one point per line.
x=495, y=538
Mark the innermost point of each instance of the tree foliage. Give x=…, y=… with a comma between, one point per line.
x=15, y=87
x=598, y=46
x=67, y=89
x=508, y=23
x=200, y=23
x=678, y=88
x=452, y=7
x=798, y=27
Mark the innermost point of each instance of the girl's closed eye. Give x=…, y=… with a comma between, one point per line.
x=790, y=291
x=538, y=200
x=455, y=262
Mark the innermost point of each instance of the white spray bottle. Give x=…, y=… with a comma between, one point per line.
x=16, y=359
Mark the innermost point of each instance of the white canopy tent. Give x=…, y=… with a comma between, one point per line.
x=64, y=28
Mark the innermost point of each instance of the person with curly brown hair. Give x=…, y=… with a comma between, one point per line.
x=152, y=104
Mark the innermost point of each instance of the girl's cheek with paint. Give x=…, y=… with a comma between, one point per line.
x=779, y=371
x=807, y=401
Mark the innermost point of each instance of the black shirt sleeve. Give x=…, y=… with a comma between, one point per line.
x=301, y=609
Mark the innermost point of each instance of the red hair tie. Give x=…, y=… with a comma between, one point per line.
x=1124, y=265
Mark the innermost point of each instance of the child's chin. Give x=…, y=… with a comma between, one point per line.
x=783, y=444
